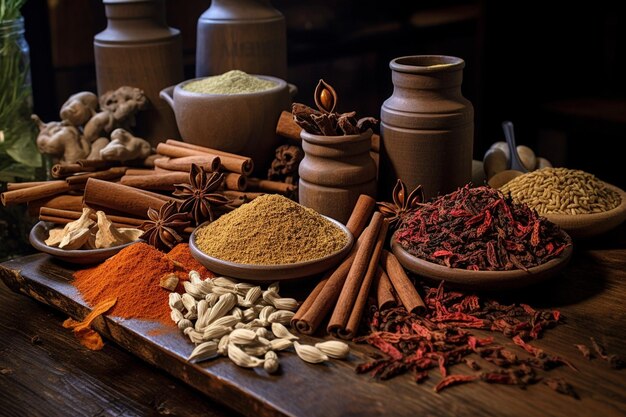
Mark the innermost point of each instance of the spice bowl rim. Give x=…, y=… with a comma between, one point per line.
x=592, y=224
x=482, y=280
x=268, y=273
x=75, y=256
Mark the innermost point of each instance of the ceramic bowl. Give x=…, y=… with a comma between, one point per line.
x=39, y=233
x=480, y=280
x=589, y=225
x=271, y=272
x=244, y=124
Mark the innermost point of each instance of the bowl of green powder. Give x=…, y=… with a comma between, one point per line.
x=271, y=238
x=232, y=112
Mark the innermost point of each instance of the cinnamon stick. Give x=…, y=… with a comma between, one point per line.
x=230, y=162
x=96, y=163
x=108, y=175
x=120, y=197
x=361, y=214
x=384, y=290
x=405, y=289
x=318, y=304
x=289, y=129
x=139, y=171
x=67, y=216
x=256, y=184
x=12, y=186
x=156, y=181
x=350, y=291
x=67, y=202
x=25, y=195
x=235, y=182
x=206, y=162
x=246, y=195
x=60, y=171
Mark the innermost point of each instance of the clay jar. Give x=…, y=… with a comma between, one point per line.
x=138, y=49
x=427, y=126
x=248, y=35
x=244, y=124
x=334, y=172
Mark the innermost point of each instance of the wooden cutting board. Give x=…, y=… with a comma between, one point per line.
x=334, y=389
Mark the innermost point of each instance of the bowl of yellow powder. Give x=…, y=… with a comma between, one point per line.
x=232, y=112
x=271, y=238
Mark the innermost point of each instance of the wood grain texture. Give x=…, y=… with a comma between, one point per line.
x=590, y=293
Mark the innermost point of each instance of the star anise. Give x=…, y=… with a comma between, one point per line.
x=401, y=204
x=163, y=228
x=200, y=198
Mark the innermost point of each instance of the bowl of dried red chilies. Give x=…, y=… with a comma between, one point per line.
x=477, y=238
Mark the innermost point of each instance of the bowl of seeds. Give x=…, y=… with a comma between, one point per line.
x=271, y=238
x=577, y=201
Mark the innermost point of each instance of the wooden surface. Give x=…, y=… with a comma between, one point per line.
x=59, y=375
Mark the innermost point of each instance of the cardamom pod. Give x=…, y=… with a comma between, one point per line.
x=223, y=306
x=271, y=363
x=241, y=358
x=242, y=288
x=285, y=304
x=194, y=277
x=176, y=316
x=227, y=321
x=265, y=313
x=274, y=287
x=243, y=336
x=192, y=314
x=193, y=290
x=280, y=344
x=203, y=351
x=222, y=346
x=249, y=314
x=188, y=301
x=269, y=297
x=223, y=282
x=175, y=301
x=309, y=353
x=223, y=290
x=184, y=323
x=281, y=316
x=194, y=336
x=211, y=298
x=241, y=302
x=334, y=349
x=201, y=308
x=262, y=332
x=281, y=332
x=215, y=332
x=253, y=294
x=255, y=350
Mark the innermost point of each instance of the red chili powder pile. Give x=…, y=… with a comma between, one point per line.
x=133, y=276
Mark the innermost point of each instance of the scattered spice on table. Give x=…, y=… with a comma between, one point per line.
x=562, y=191
x=132, y=276
x=479, y=229
x=442, y=338
x=270, y=230
x=231, y=82
x=182, y=255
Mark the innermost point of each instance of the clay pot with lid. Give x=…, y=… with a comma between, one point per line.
x=334, y=172
x=427, y=126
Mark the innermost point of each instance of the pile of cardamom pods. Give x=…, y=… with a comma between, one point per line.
x=244, y=322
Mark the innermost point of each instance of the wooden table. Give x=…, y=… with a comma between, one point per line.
x=45, y=372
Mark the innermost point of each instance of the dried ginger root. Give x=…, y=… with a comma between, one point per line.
x=76, y=233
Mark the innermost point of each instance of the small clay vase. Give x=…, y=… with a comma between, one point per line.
x=138, y=49
x=427, y=126
x=334, y=172
x=247, y=35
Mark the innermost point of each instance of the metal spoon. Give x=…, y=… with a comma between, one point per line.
x=515, y=161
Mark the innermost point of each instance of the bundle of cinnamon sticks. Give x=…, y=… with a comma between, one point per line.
x=128, y=191
x=345, y=290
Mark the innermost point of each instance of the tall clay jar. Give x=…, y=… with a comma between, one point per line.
x=248, y=35
x=427, y=126
x=334, y=172
x=138, y=49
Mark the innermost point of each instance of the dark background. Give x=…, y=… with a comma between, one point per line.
x=554, y=68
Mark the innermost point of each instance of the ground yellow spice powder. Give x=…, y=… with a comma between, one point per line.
x=231, y=82
x=270, y=230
